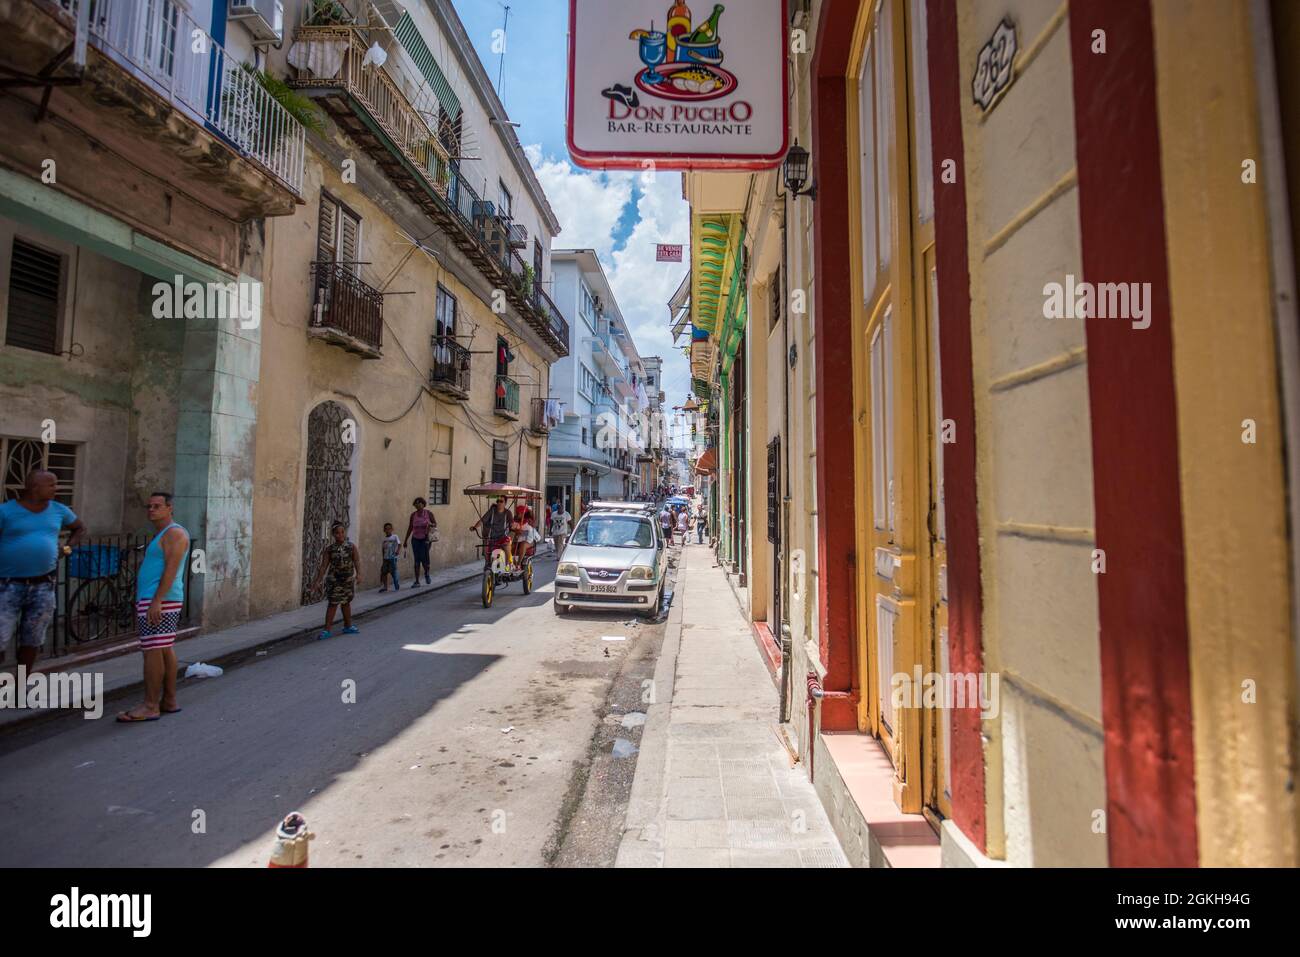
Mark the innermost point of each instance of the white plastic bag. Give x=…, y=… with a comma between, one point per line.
x=200, y=670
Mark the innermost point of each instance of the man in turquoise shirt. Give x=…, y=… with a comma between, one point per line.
x=29, y=560
x=159, y=600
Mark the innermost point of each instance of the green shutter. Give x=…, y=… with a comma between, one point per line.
x=409, y=37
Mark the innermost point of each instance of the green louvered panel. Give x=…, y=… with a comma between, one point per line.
x=409, y=37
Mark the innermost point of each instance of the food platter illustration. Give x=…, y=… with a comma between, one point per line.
x=689, y=82
x=682, y=63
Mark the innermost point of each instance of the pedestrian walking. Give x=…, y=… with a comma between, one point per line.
x=420, y=531
x=700, y=521
x=666, y=523
x=683, y=524
x=159, y=598
x=390, y=548
x=560, y=519
x=341, y=560
x=29, y=561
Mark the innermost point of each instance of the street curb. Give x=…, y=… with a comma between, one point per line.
x=30, y=718
x=642, y=844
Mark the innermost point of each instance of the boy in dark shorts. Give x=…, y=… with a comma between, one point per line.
x=390, y=548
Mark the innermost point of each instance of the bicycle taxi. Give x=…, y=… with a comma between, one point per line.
x=496, y=570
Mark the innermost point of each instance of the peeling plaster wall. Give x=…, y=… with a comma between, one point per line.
x=116, y=400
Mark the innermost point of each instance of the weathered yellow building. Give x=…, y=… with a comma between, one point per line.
x=407, y=344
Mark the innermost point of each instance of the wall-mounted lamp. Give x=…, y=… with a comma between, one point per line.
x=796, y=172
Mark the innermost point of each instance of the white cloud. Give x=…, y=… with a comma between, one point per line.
x=589, y=205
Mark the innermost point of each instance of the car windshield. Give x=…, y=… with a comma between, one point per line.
x=615, y=531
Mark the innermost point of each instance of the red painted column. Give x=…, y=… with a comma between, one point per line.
x=833, y=322
x=965, y=593
x=1145, y=670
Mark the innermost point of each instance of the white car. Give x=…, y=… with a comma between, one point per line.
x=616, y=558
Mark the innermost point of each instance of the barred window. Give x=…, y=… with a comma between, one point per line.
x=21, y=456
x=439, y=491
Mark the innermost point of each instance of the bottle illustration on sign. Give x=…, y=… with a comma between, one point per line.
x=679, y=27
x=682, y=63
x=709, y=29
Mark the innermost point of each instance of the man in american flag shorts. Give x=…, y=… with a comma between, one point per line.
x=159, y=598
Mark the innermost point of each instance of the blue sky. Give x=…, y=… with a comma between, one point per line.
x=620, y=215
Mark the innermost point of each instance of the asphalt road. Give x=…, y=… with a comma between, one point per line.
x=477, y=737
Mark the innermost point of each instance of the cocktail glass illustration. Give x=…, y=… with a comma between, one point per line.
x=654, y=50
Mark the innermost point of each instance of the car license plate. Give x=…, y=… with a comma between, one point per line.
x=607, y=589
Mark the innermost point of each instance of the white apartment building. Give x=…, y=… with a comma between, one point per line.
x=602, y=382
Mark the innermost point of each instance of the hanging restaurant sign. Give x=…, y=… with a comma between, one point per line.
x=701, y=88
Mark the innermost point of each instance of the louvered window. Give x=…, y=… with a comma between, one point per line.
x=500, y=460
x=35, y=278
x=338, y=236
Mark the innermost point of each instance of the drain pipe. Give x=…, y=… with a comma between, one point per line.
x=816, y=693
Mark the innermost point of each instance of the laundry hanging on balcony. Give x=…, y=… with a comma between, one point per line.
x=322, y=58
x=553, y=412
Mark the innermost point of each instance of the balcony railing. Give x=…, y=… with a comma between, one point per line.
x=381, y=97
x=507, y=397
x=345, y=310
x=158, y=43
x=451, y=367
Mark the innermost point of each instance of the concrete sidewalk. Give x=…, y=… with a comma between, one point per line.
x=123, y=673
x=714, y=785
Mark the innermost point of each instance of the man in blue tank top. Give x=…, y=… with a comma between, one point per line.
x=159, y=598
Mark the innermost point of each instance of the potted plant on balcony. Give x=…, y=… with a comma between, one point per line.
x=526, y=281
x=328, y=13
x=246, y=115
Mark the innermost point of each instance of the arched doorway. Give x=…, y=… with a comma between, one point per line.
x=331, y=439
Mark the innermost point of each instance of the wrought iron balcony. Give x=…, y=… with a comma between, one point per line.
x=345, y=310
x=507, y=404
x=451, y=367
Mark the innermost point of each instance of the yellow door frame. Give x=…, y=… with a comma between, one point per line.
x=894, y=571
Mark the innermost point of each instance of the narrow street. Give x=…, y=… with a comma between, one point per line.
x=468, y=744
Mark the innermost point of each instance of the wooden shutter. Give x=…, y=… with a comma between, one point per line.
x=35, y=277
x=349, y=240
x=327, y=231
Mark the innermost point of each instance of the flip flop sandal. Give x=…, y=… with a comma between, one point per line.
x=172, y=711
x=126, y=718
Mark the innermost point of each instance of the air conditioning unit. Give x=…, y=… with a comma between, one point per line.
x=263, y=18
x=518, y=235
